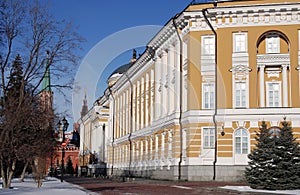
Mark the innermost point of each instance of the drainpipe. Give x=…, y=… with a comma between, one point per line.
x=180, y=98
x=216, y=88
x=113, y=135
x=131, y=122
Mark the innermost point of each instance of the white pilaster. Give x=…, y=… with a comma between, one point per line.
x=133, y=108
x=171, y=85
x=142, y=101
x=157, y=91
x=285, y=85
x=127, y=114
x=163, y=145
x=138, y=97
x=147, y=100
x=151, y=147
x=163, y=83
x=152, y=92
x=177, y=76
x=262, y=85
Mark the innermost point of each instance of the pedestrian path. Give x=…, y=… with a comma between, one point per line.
x=51, y=186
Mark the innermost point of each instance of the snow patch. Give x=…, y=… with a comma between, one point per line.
x=248, y=189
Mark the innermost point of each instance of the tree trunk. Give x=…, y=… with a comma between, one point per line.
x=8, y=174
x=4, y=178
x=11, y=172
x=23, y=172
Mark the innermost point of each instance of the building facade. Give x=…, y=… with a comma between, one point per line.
x=95, y=140
x=190, y=106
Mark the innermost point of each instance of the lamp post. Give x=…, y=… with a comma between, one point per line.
x=63, y=126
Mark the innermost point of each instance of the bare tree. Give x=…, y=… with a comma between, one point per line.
x=27, y=28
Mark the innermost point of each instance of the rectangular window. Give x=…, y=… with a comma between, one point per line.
x=273, y=94
x=208, y=95
x=240, y=42
x=273, y=45
x=208, y=138
x=240, y=94
x=208, y=45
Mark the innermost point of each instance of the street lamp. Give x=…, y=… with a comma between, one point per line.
x=63, y=126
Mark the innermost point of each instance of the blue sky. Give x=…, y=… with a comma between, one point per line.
x=98, y=19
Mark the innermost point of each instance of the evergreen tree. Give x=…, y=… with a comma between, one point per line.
x=286, y=155
x=69, y=168
x=16, y=77
x=257, y=173
x=274, y=163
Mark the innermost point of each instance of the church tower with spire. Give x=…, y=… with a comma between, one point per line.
x=84, y=109
x=46, y=95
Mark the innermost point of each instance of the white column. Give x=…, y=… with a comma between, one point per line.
x=147, y=100
x=168, y=79
x=170, y=139
x=133, y=107
x=152, y=100
x=138, y=96
x=156, y=146
x=184, y=141
x=157, y=91
x=120, y=115
x=177, y=76
x=262, y=85
x=141, y=152
x=146, y=150
x=142, y=102
x=124, y=113
x=171, y=86
x=151, y=147
x=133, y=152
x=285, y=85
x=163, y=145
x=164, y=81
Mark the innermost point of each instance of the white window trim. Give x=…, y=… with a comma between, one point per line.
x=202, y=138
x=203, y=102
x=234, y=42
x=233, y=92
x=202, y=44
x=234, y=142
x=267, y=93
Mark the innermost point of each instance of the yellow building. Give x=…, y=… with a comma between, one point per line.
x=189, y=106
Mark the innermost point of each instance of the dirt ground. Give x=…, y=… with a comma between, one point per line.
x=157, y=187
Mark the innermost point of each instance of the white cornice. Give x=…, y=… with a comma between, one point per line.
x=250, y=15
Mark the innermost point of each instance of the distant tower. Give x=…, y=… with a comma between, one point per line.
x=46, y=95
x=84, y=109
x=133, y=59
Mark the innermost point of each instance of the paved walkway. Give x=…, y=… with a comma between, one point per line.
x=51, y=186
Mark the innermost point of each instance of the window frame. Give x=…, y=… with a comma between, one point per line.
x=211, y=45
x=211, y=95
x=268, y=94
x=210, y=137
x=236, y=44
x=275, y=44
x=240, y=92
x=241, y=148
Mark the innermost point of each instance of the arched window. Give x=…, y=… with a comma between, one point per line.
x=241, y=141
x=274, y=131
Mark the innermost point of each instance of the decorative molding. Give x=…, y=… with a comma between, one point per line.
x=240, y=69
x=272, y=59
x=251, y=15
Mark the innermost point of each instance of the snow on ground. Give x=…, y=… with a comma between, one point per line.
x=248, y=189
x=51, y=186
